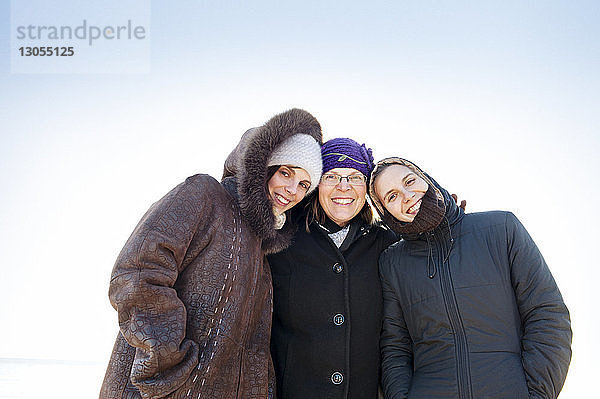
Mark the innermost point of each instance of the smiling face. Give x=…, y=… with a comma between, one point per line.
x=287, y=187
x=342, y=201
x=400, y=191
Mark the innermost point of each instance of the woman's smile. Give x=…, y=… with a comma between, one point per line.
x=342, y=201
x=415, y=208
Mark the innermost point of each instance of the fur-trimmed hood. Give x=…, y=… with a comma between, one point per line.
x=246, y=168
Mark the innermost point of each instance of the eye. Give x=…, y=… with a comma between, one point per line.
x=410, y=181
x=357, y=179
x=391, y=197
x=284, y=172
x=330, y=178
x=304, y=185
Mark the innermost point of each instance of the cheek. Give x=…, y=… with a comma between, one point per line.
x=398, y=209
x=300, y=195
x=270, y=189
x=395, y=210
x=273, y=183
x=361, y=196
x=323, y=195
x=360, y=202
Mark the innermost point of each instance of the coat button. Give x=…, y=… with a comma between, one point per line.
x=337, y=378
x=338, y=319
x=338, y=268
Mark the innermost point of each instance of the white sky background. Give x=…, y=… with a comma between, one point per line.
x=498, y=101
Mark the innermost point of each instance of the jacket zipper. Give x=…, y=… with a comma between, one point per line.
x=463, y=372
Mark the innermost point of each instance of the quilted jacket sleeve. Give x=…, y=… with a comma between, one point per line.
x=151, y=316
x=396, y=344
x=546, y=340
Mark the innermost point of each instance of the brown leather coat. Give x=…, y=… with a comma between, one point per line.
x=192, y=287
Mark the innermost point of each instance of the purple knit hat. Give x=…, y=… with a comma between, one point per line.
x=347, y=153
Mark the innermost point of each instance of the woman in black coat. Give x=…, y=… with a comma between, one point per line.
x=326, y=288
x=470, y=307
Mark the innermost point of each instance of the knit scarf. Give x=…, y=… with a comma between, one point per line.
x=430, y=215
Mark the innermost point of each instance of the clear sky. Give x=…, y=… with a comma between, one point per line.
x=499, y=101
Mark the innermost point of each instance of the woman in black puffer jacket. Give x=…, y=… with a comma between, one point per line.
x=471, y=309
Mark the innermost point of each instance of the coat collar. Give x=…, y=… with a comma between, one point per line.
x=358, y=228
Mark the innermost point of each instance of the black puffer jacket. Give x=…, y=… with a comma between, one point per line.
x=471, y=310
x=327, y=314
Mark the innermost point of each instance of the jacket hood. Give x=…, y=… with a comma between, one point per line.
x=452, y=212
x=247, y=164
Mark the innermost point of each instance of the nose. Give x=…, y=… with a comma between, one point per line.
x=292, y=187
x=406, y=195
x=344, y=184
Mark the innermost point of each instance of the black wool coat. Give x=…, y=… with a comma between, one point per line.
x=471, y=310
x=327, y=313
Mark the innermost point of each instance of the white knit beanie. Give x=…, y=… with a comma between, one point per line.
x=303, y=151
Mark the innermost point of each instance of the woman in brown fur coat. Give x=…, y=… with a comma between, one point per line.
x=192, y=287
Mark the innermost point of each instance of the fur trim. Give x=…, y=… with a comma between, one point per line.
x=248, y=163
